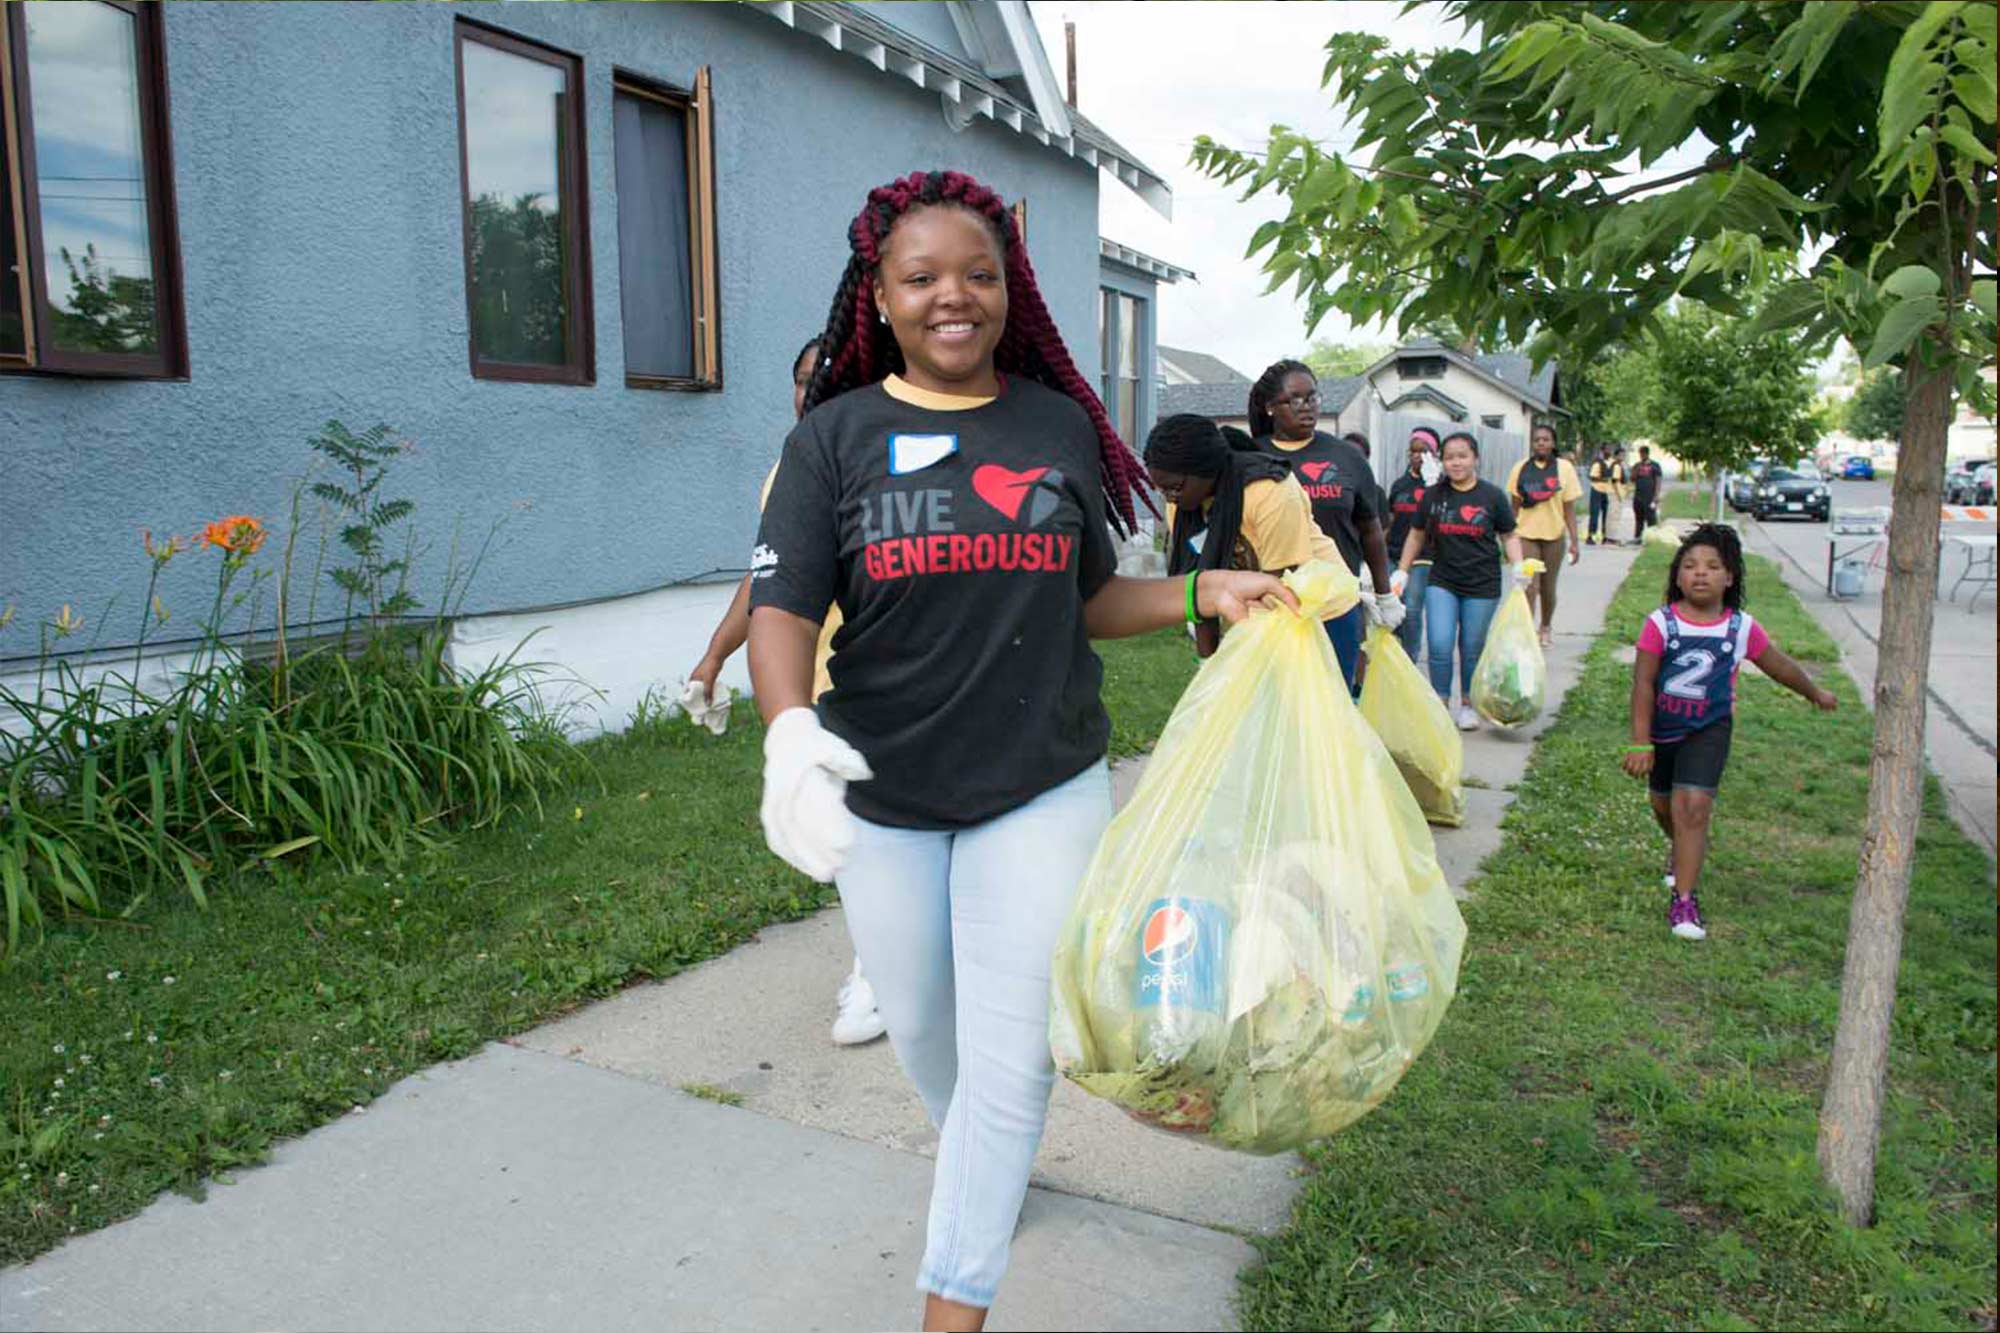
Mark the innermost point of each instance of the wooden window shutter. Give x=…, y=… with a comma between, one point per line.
x=701, y=189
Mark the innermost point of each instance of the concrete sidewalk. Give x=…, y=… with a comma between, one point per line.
x=564, y=1179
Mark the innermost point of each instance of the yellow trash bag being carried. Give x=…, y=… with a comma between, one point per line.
x=1264, y=941
x=1512, y=677
x=1412, y=721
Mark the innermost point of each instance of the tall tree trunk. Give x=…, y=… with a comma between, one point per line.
x=1850, y=1119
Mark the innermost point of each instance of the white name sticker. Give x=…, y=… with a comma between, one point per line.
x=1198, y=541
x=914, y=453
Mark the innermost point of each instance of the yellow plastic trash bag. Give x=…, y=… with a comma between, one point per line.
x=1512, y=678
x=1412, y=721
x=1665, y=534
x=1264, y=941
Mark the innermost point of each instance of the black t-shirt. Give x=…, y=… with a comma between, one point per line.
x=1645, y=479
x=1406, y=500
x=1341, y=485
x=960, y=546
x=1463, y=528
x=1538, y=483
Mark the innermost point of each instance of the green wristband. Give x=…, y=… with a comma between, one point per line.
x=1639, y=749
x=1193, y=616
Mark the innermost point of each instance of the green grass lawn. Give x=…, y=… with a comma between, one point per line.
x=154, y=1053
x=1615, y=1128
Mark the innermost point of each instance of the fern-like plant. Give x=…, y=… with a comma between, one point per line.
x=375, y=581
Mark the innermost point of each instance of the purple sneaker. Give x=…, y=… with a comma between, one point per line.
x=1684, y=916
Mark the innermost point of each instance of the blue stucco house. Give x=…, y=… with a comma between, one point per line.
x=567, y=251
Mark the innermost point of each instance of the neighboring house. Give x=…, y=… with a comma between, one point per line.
x=568, y=251
x=1178, y=365
x=1128, y=334
x=1497, y=396
x=1202, y=384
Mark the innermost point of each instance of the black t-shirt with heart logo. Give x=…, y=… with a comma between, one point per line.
x=1406, y=501
x=960, y=543
x=1463, y=529
x=1342, y=487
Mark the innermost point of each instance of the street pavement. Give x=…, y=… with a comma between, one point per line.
x=1960, y=731
x=566, y=1178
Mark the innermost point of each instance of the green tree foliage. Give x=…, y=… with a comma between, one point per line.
x=1612, y=396
x=106, y=311
x=1725, y=394
x=1579, y=166
x=1875, y=412
x=1332, y=360
x=518, y=305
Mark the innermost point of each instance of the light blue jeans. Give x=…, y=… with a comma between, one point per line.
x=1411, y=632
x=1461, y=622
x=955, y=930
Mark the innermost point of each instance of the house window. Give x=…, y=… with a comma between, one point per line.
x=89, y=258
x=1130, y=312
x=664, y=146
x=527, y=262
x=1493, y=422
x=1421, y=368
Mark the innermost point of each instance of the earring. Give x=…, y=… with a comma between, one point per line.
x=882, y=316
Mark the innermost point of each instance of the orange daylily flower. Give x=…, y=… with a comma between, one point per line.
x=238, y=534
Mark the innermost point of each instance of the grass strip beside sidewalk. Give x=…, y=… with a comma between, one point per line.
x=156, y=1053
x=1615, y=1128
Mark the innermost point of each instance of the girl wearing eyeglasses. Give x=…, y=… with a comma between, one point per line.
x=1347, y=501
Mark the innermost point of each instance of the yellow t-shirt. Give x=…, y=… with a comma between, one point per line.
x=1543, y=522
x=1278, y=531
x=822, y=678
x=1608, y=478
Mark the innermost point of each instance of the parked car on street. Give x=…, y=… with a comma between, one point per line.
x=1791, y=493
x=1961, y=485
x=1982, y=485
x=1858, y=467
x=1741, y=488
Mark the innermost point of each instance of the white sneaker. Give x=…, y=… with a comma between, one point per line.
x=859, y=1021
x=1468, y=718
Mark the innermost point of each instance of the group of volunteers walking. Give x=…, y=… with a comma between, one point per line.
x=935, y=556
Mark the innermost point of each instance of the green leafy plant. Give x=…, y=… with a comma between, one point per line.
x=354, y=749
x=379, y=582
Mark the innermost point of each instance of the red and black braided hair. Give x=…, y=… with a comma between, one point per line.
x=858, y=349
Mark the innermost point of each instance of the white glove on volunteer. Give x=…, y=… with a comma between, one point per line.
x=1386, y=609
x=1522, y=578
x=1398, y=580
x=806, y=772
x=705, y=710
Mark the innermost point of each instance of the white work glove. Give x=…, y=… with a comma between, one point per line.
x=806, y=772
x=1520, y=574
x=704, y=709
x=1398, y=580
x=1386, y=609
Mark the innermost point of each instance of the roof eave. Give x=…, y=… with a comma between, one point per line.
x=964, y=101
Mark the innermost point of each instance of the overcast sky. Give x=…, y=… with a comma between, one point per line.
x=1155, y=75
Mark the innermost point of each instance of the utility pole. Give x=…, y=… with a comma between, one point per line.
x=1069, y=41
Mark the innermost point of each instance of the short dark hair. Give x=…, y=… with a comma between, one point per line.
x=1646, y=451
x=1359, y=441
x=1471, y=442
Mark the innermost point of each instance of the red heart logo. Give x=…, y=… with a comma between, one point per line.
x=1468, y=512
x=1002, y=489
x=1314, y=471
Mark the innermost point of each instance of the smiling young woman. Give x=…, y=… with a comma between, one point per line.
x=952, y=489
